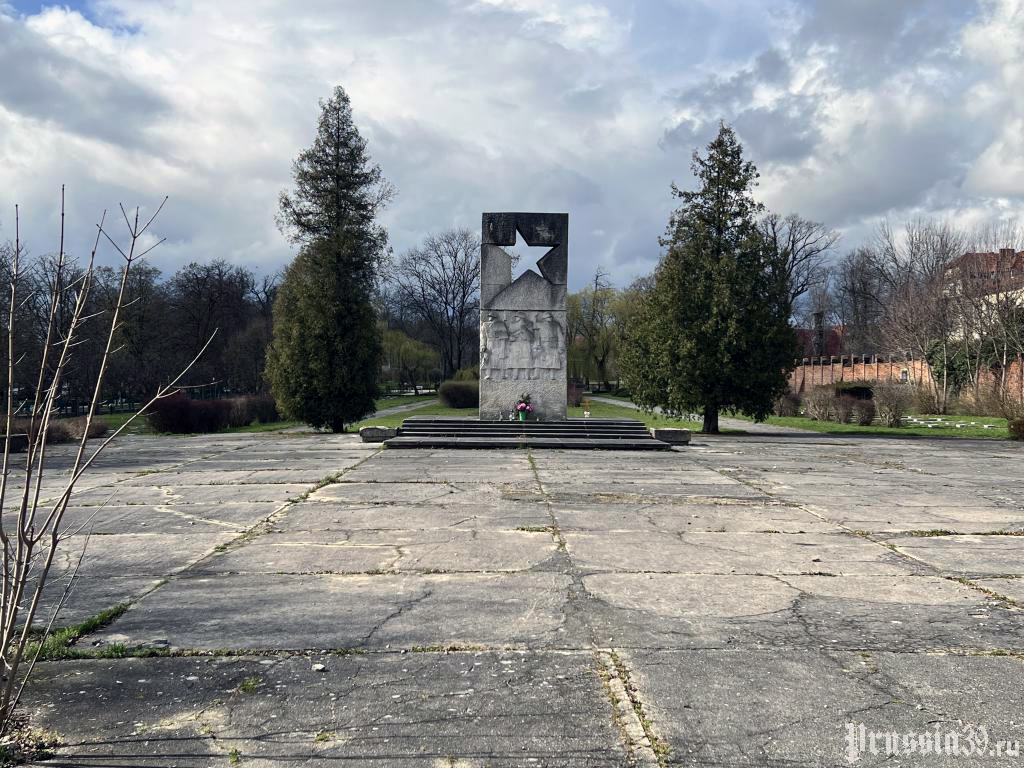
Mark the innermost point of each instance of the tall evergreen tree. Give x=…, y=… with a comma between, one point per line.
x=336, y=185
x=713, y=333
x=325, y=356
x=324, y=360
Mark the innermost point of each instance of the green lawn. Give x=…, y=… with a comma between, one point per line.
x=273, y=426
x=609, y=411
x=141, y=425
x=114, y=420
x=610, y=396
x=831, y=428
x=396, y=419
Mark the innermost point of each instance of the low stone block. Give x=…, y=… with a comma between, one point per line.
x=671, y=435
x=377, y=434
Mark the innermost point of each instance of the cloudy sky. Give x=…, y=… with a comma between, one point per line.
x=853, y=110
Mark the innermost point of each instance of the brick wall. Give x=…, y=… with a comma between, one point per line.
x=813, y=372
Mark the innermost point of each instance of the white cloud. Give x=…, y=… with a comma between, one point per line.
x=472, y=105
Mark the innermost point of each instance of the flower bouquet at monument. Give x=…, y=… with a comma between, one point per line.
x=523, y=407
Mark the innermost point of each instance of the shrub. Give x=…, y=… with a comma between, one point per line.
x=472, y=373
x=249, y=409
x=179, y=415
x=923, y=399
x=893, y=400
x=460, y=394
x=170, y=414
x=844, y=408
x=787, y=405
x=1016, y=428
x=62, y=430
x=59, y=431
x=820, y=404
x=209, y=415
x=864, y=412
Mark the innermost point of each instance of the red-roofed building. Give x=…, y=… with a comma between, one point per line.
x=983, y=274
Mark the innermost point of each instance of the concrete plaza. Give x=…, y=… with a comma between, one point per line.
x=742, y=601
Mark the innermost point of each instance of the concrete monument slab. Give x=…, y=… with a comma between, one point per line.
x=522, y=321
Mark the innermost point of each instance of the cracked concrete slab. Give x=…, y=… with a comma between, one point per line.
x=877, y=612
x=679, y=518
x=503, y=514
x=362, y=551
x=737, y=602
x=769, y=709
x=988, y=555
x=416, y=709
x=725, y=553
x=280, y=611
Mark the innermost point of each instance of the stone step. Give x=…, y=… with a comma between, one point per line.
x=517, y=429
x=528, y=426
x=528, y=441
x=615, y=434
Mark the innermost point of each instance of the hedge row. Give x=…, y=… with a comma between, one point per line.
x=61, y=430
x=460, y=394
x=178, y=414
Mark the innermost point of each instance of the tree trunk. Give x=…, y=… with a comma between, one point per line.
x=710, y=419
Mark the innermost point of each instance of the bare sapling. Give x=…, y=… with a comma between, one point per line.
x=32, y=525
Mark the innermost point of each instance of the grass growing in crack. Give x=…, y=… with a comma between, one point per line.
x=536, y=528
x=553, y=529
x=58, y=644
x=234, y=756
x=606, y=684
x=933, y=532
x=999, y=652
x=660, y=747
x=1001, y=533
x=1008, y=602
x=323, y=736
x=250, y=684
x=321, y=483
x=447, y=648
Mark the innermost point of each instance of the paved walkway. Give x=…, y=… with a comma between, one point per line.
x=314, y=601
x=750, y=427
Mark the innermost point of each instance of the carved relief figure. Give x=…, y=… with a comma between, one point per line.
x=550, y=341
x=520, y=347
x=493, y=346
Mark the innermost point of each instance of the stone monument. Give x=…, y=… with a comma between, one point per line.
x=522, y=323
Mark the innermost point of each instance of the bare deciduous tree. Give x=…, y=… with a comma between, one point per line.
x=596, y=323
x=438, y=283
x=806, y=245
x=919, y=317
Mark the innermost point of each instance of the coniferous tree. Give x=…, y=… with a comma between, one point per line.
x=326, y=352
x=713, y=333
x=325, y=357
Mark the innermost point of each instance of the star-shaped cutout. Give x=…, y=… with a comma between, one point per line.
x=525, y=257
